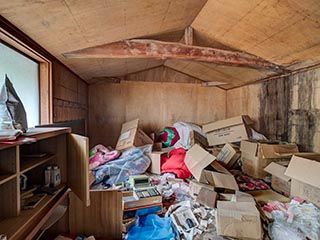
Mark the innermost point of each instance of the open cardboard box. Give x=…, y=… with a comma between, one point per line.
x=203, y=193
x=238, y=218
x=155, y=156
x=228, y=130
x=132, y=136
x=228, y=156
x=304, y=169
x=206, y=169
x=279, y=181
x=256, y=156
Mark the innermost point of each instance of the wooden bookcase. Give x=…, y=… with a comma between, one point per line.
x=68, y=151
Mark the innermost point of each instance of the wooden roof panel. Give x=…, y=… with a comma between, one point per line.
x=274, y=30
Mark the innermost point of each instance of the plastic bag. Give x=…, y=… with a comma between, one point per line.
x=12, y=112
x=131, y=162
x=152, y=227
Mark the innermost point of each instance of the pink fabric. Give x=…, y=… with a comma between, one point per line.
x=174, y=163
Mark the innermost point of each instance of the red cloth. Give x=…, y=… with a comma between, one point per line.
x=174, y=163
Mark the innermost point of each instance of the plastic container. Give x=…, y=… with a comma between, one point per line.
x=55, y=176
x=47, y=176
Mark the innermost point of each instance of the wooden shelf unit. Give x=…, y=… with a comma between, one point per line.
x=5, y=177
x=27, y=164
x=64, y=149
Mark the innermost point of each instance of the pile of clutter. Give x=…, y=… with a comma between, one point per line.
x=223, y=180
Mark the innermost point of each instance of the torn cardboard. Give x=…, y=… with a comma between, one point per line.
x=229, y=130
x=206, y=170
x=228, y=156
x=238, y=219
x=256, y=156
x=279, y=181
x=304, y=171
x=132, y=136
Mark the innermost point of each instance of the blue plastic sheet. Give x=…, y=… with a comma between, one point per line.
x=152, y=227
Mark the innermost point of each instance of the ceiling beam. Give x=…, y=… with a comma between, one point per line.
x=143, y=48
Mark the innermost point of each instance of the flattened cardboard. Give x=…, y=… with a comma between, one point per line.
x=256, y=156
x=228, y=130
x=228, y=156
x=206, y=170
x=238, y=219
x=132, y=136
x=304, y=171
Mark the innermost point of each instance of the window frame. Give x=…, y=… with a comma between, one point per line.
x=45, y=73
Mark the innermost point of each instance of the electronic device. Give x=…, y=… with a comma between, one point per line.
x=139, y=181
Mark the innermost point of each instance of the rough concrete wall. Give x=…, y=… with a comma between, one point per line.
x=286, y=109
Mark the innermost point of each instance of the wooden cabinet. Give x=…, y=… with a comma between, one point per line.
x=68, y=151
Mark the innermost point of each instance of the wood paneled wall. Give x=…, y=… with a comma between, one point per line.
x=285, y=108
x=156, y=105
x=70, y=94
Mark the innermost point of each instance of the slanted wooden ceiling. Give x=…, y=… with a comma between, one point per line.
x=286, y=33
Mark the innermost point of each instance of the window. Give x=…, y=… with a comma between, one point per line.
x=23, y=72
x=29, y=68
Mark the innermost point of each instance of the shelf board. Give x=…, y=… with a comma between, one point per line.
x=15, y=227
x=26, y=164
x=5, y=177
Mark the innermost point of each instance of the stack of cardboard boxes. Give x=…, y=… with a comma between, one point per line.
x=291, y=173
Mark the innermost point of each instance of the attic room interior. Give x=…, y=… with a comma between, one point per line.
x=160, y=119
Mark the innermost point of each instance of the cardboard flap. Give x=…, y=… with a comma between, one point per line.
x=129, y=125
x=250, y=148
x=247, y=120
x=219, y=180
x=278, y=150
x=142, y=138
x=277, y=170
x=219, y=168
x=226, y=122
x=207, y=197
x=197, y=159
x=231, y=207
x=304, y=170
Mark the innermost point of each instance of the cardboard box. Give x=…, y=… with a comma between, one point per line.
x=132, y=136
x=238, y=219
x=304, y=171
x=206, y=170
x=155, y=156
x=265, y=196
x=229, y=130
x=228, y=156
x=197, y=138
x=279, y=182
x=256, y=156
x=203, y=193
